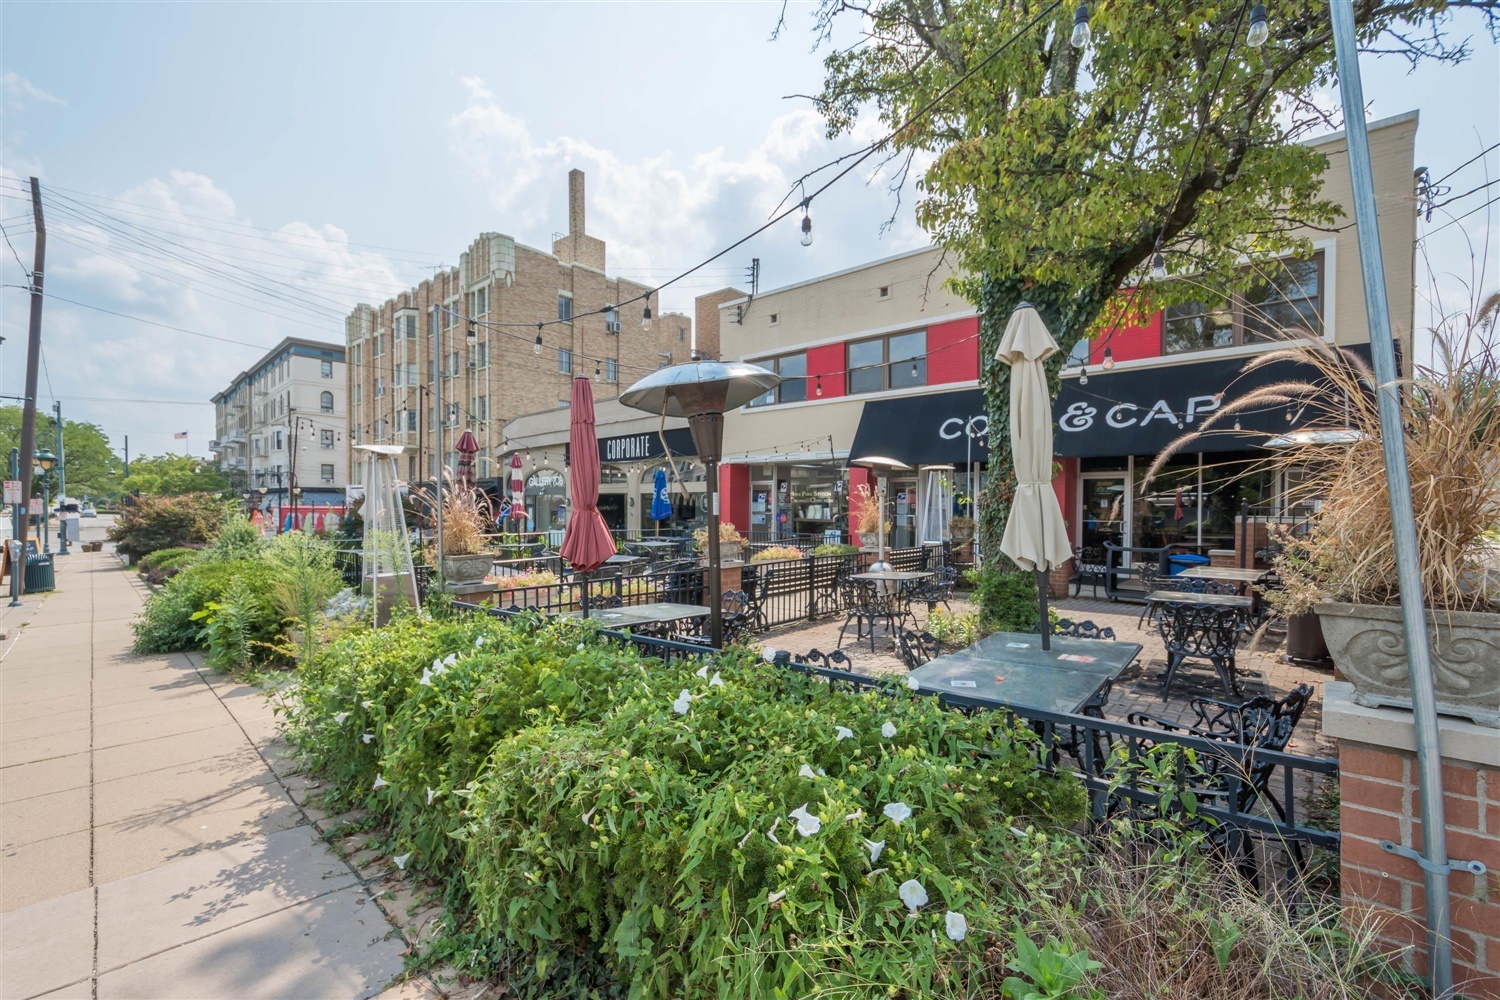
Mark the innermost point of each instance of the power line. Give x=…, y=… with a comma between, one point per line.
x=1470, y=160
x=1460, y=218
x=12, y=246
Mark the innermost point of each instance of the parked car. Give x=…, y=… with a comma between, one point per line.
x=88, y=512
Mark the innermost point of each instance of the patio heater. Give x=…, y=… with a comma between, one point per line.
x=881, y=465
x=701, y=391
x=387, y=572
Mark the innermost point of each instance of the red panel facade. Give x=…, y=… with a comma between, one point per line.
x=857, y=477
x=825, y=366
x=953, y=351
x=734, y=496
x=1129, y=342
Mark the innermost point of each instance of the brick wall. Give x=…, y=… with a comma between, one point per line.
x=1379, y=800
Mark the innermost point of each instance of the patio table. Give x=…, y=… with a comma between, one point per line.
x=641, y=614
x=1229, y=574
x=1208, y=600
x=1012, y=669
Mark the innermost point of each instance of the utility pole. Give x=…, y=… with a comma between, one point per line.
x=33, y=361
x=127, y=456
x=437, y=421
x=62, y=480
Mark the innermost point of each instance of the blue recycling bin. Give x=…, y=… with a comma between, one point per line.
x=1182, y=560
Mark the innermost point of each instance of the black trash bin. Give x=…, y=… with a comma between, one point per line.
x=39, y=574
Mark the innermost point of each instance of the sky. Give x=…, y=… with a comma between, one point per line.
x=312, y=156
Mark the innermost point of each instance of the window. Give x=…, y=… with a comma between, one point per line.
x=565, y=361
x=358, y=393
x=681, y=334
x=611, y=321
x=775, y=318
x=410, y=323
x=326, y=368
x=411, y=419
x=482, y=355
x=482, y=408
x=325, y=402
x=479, y=302
x=278, y=440
x=326, y=472
x=447, y=312
x=380, y=387
x=565, y=307
x=1288, y=296
x=892, y=362
x=453, y=363
x=411, y=373
x=326, y=438
x=885, y=291
x=611, y=370
x=793, y=371
x=379, y=345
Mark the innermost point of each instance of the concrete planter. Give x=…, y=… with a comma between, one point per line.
x=1368, y=646
x=467, y=569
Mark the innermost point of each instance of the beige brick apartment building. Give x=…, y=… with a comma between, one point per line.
x=483, y=314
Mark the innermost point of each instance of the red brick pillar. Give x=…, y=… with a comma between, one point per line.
x=1379, y=801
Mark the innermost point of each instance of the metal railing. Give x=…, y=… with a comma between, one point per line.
x=675, y=586
x=786, y=591
x=651, y=646
x=1278, y=520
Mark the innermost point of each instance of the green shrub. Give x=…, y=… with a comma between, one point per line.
x=163, y=564
x=154, y=523
x=162, y=557
x=167, y=625
x=236, y=538
x=777, y=553
x=836, y=549
x=1007, y=599
x=955, y=630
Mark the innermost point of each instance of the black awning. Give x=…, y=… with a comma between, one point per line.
x=931, y=429
x=1143, y=410
x=643, y=447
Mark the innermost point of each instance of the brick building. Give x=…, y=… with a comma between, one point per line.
x=482, y=317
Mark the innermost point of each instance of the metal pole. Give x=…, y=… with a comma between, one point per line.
x=17, y=551
x=62, y=481
x=437, y=429
x=33, y=358
x=1434, y=861
x=127, y=456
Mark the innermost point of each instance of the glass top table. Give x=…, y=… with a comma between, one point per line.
x=641, y=614
x=890, y=576
x=1011, y=668
x=1207, y=600
x=1230, y=574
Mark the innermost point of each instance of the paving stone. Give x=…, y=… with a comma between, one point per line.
x=24, y=781
x=47, y=946
x=43, y=817
x=43, y=869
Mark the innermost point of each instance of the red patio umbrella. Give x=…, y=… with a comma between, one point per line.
x=517, y=489
x=467, y=447
x=322, y=526
x=587, y=542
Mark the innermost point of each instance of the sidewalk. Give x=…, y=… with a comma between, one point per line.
x=148, y=845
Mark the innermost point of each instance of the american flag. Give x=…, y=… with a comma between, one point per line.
x=180, y=436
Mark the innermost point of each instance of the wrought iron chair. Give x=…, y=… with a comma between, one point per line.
x=1069, y=629
x=1197, y=632
x=761, y=590
x=836, y=660
x=864, y=607
x=1188, y=585
x=937, y=588
x=1151, y=578
x=1089, y=566
x=916, y=648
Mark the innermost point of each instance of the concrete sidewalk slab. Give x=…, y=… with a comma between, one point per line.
x=42, y=817
x=47, y=945
x=167, y=751
x=26, y=781
x=152, y=792
x=43, y=869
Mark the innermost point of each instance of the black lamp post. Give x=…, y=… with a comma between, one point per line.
x=45, y=460
x=702, y=391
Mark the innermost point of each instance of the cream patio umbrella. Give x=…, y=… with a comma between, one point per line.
x=1035, y=536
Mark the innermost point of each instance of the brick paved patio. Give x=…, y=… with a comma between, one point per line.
x=1138, y=689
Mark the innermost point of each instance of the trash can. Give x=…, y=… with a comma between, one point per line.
x=39, y=574
x=1182, y=560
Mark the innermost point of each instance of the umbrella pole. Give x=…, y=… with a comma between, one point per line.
x=585, y=600
x=1046, y=623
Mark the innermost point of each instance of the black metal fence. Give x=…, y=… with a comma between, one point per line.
x=785, y=591
x=683, y=585
x=651, y=646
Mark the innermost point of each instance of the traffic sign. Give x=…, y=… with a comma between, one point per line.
x=12, y=491
x=36, y=505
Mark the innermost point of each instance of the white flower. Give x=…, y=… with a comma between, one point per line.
x=768, y=654
x=701, y=671
x=367, y=737
x=367, y=704
x=888, y=730
x=807, y=772
x=775, y=897
x=822, y=773
x=426, y=677
x=913, y=895
x=716, y=681
x=380, y=783
x=680, y=706
x=430, y=794
x=855, y=816
x=451, y=659
x=844, y=732
x=439, y=670
x=897, y=812
x=479, y=642
x=401, y=860
x=580, y=647
x=807, y=824
x=437, y=664
x=958, y=926
x=874, y=847
x=913, y=683
x=339, y=719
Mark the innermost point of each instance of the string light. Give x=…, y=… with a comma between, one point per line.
x=1083, y=375
x=646, y=313
x=598, y=372
x=1237, y=422
x=914, y=369
x=1109, y=359
x=536, y=348
x=1158, y=267
x=1260, y=31
x=1081, y=31
x=818, y=387
x=806, y=224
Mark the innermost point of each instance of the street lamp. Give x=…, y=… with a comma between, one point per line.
x=45, y=460
x=701, y=391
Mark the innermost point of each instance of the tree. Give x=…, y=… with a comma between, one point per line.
x=173, y=475
x=86, y=450
x=1058, y=173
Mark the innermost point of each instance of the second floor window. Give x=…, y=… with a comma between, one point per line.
x=565, y=308
x=326, y=438
x=326, y=368
x=326, y=473
x=793, y=371
x=892, y=362
x=325, y=402
x=565, y=361
x=611, y=370
x=1286, y=298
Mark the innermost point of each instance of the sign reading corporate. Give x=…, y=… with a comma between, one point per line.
x=646, y=447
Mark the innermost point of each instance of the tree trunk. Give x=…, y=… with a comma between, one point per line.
x=1068, y=314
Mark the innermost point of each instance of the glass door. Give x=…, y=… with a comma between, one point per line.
x=1104, y=514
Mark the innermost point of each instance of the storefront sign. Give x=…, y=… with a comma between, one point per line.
x=1142, y=411
x=646, y=447
x=939, y=428
x=544, y=480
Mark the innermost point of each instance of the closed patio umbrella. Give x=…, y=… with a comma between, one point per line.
x=1035, y=536
x=517, y=489
x=661, y=500
x=587, y=542
x=467, y=447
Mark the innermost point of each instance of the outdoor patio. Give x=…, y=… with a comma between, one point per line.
x=1138, y=689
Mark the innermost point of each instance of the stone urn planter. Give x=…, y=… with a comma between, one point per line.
x=1368, y=647
x=463, y=570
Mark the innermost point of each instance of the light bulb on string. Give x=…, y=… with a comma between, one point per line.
x=818, y=386
x=1158, y=267
x=598, y=372
x=1083, y=376
x=536, y=347
x=1109, y=359
x=646, y=313
x=1237, y=423
x=1260, y=30
x=914, y=370
x=806, y=226
x=1081, y=32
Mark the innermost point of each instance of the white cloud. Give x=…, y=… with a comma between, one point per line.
x=21, y=92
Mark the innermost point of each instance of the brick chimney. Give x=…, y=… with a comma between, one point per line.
x=575, y=203
x=578, y=247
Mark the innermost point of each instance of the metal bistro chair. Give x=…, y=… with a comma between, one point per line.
x=916, y=648
x=1197, y=632
x=758, y=598
x=1189, y=585
x=937, y=588
x=1094, y=707
x=1069, y=629
x=864, y=607
x=737, y=621
x=836, y=660
x=1089, y=566
x=1151, y=578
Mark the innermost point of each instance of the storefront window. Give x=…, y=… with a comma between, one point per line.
x=1286, y=297
x=793, y=371
x=892, y=362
